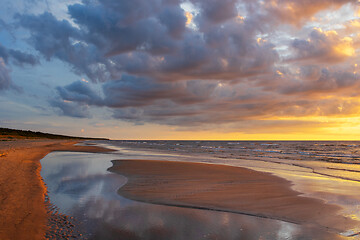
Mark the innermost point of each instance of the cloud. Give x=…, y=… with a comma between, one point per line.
x=5, y=81
x=323, y=46
x=71, y=109
x=214, y=11
x=79, y=92
x=298, y=12
x=236, y=61
x=132, y=91
x=175, y=20
x=324, y=81
x=152, y=39
x=199, y=103
x=57, y=38
x=194, y=103
x=109, y=40
x=18, y=57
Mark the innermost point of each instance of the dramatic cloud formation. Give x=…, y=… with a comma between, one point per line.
x=199, y=62
x=152, y=40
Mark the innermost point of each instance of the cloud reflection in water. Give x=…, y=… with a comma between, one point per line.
x=79, y=184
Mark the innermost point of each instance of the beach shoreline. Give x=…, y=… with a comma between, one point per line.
x=23, y=211
x=226, y=188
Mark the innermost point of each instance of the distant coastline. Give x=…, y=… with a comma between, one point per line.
x=11, y=134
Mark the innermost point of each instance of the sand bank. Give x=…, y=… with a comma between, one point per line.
x=23, y=213
x=225, y=188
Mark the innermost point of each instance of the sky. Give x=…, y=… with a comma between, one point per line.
x=173, y=69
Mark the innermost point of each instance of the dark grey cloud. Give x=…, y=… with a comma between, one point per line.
x=4, y=53
x=71, y=109
x=48, y=35
x=323, y=80
x=238, y=115
x=20, y=58
x=214, y=11
x=150, y=38
x=79, y=92
x=154, y=35
x=59, y=39
x=174, y=20
x=131, y=91
x=132, y=11
x=17, y=57
x=108, y=31
x=199, y=103
x=323, y=47
x=189, y=103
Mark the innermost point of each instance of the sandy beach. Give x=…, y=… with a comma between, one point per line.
x=225, y=188
x=24, y=214
x=22, y=191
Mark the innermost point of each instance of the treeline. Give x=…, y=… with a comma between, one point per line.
x=14, y=133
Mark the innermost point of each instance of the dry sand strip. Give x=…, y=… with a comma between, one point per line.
x=226, y=188
x=23, y=213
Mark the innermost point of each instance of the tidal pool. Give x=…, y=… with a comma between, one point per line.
x=80, y=186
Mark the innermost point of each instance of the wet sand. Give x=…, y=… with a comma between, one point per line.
x=25, y=215
x=23, y=211
x=225, y=188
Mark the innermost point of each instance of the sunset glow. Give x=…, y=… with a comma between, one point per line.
x=189, y=18
x=198, y=69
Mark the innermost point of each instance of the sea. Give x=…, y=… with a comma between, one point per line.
x=81, y=188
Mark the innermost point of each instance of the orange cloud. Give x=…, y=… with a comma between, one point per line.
x=295, y=12
x=189, y=18
x=344, y=47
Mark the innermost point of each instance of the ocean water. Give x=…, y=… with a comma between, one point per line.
x=81, y=187
x=329, y=151
x=338, y=159
x=326, y=170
